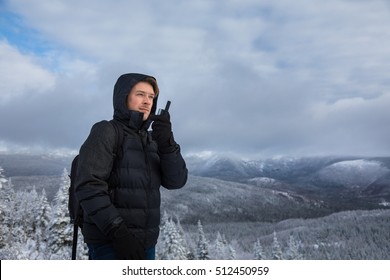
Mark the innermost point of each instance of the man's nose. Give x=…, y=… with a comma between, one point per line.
x=147, y=100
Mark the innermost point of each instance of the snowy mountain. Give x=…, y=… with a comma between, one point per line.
x=231, y=187
x=342, y=183
x=347, y=170
x=34, y=165
x=352, y=173
x=216, y=200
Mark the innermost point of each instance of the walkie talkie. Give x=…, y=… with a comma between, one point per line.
x=164, y=111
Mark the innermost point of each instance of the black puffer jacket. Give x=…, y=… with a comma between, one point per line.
x=137, y=176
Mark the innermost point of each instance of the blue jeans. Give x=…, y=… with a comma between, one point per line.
x=105, y=251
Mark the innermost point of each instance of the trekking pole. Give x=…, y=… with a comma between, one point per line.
x=75, y=237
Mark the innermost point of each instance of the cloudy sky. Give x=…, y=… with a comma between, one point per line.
x=253, y=77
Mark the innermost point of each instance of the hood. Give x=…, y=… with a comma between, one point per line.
x=122, y=88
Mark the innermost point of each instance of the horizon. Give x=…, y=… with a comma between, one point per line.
x=201, y=155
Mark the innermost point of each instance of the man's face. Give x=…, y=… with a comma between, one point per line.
x=141, y=98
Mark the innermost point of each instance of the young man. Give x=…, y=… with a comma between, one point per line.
x=120, y=193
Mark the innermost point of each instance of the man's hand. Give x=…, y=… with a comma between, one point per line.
x=162, y=133
x=126, y=245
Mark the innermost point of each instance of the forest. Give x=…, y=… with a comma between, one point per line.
x=33, y=227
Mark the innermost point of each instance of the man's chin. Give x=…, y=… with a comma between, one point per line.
x=145, y=117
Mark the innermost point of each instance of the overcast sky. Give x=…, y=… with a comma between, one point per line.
x=253, y=77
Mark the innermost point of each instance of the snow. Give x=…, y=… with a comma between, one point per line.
x=357, y=164
x=354, y=173
x=260, y=181
x=384, y=203
x=2, y=179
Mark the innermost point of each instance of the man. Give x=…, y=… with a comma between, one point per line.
x=120, y=194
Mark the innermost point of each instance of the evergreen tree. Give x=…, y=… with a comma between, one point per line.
x=3, y=226
x=60, y=229
x=202, y=250
x=258, y=250
x=44, y=212
x=22, y=213
x=29, y=227
x=173, y=245
x=164, y=236
x=220, y=247
x=29, y=206
x=231, y=253
x=293, y=249
x=82, y=249
x=4, y=209
x=277, y=253
x=2, y=178
x=186, y=243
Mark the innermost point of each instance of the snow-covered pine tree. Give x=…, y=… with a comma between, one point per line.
x=231, y=252
x=23, y=225
x=277, y=253
x=44, y=213
x=3, y=180
x=4, y=207
x=172, y=245
x=82, y=249
x=164, y=227
x=293, y=249
x=186, y=241
x=7, y=196
x=29, y=212
x=258, y=250
x=4, y=231
x=171, y=240
x=220, y=247
x=202, y=249
x=60, y=229
x=19, y=233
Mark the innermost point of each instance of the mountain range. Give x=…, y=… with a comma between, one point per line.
x=319, y=185
x=222, y=188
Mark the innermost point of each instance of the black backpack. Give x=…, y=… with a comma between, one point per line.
x=74, y=207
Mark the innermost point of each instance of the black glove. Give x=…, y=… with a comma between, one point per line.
x=162, y=133
x=126, y=245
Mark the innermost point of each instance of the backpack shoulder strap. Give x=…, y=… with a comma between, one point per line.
x=119, y=137
x=117, y=149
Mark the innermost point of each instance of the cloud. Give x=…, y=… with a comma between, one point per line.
x=21, y=74
x=39, y=107
x=356, y=123
x=260, y=77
